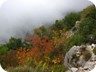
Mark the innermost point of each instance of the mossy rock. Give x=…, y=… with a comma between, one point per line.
x=86, y=55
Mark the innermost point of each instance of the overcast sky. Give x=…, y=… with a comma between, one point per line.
x=18, y=16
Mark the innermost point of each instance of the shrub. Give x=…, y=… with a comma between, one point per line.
x=76, y=39
x=23, y=56
x=9, y=59
x=3, y=49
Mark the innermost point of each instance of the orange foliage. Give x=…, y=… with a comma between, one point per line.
x=42, y=47
x=59, y=37
x=23, y=55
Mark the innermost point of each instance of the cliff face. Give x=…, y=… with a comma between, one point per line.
x=80, y=58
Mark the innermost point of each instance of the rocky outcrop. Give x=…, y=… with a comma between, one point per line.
x=74, y=29
x=80, y=58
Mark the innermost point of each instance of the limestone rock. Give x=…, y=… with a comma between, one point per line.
x=80, y=58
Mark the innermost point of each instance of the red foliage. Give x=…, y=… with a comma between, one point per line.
x=41, y=47
x=23, y=55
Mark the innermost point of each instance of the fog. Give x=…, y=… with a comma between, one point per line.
x=21, y=16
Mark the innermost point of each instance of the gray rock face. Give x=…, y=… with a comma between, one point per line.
x=80, y=58
x=74, y=29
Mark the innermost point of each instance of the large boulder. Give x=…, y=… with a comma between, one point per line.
x=80, y=58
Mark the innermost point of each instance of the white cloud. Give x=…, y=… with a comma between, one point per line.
x=2, y=1
x=17, y=16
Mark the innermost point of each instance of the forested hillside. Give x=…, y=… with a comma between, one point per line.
x=45, y=49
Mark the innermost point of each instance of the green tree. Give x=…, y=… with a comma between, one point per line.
x=14, y=43
x=3, y=49
x=90, y=11
x=43, y=30
x=88, y=28
x=59, y=25
x=70, y=20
